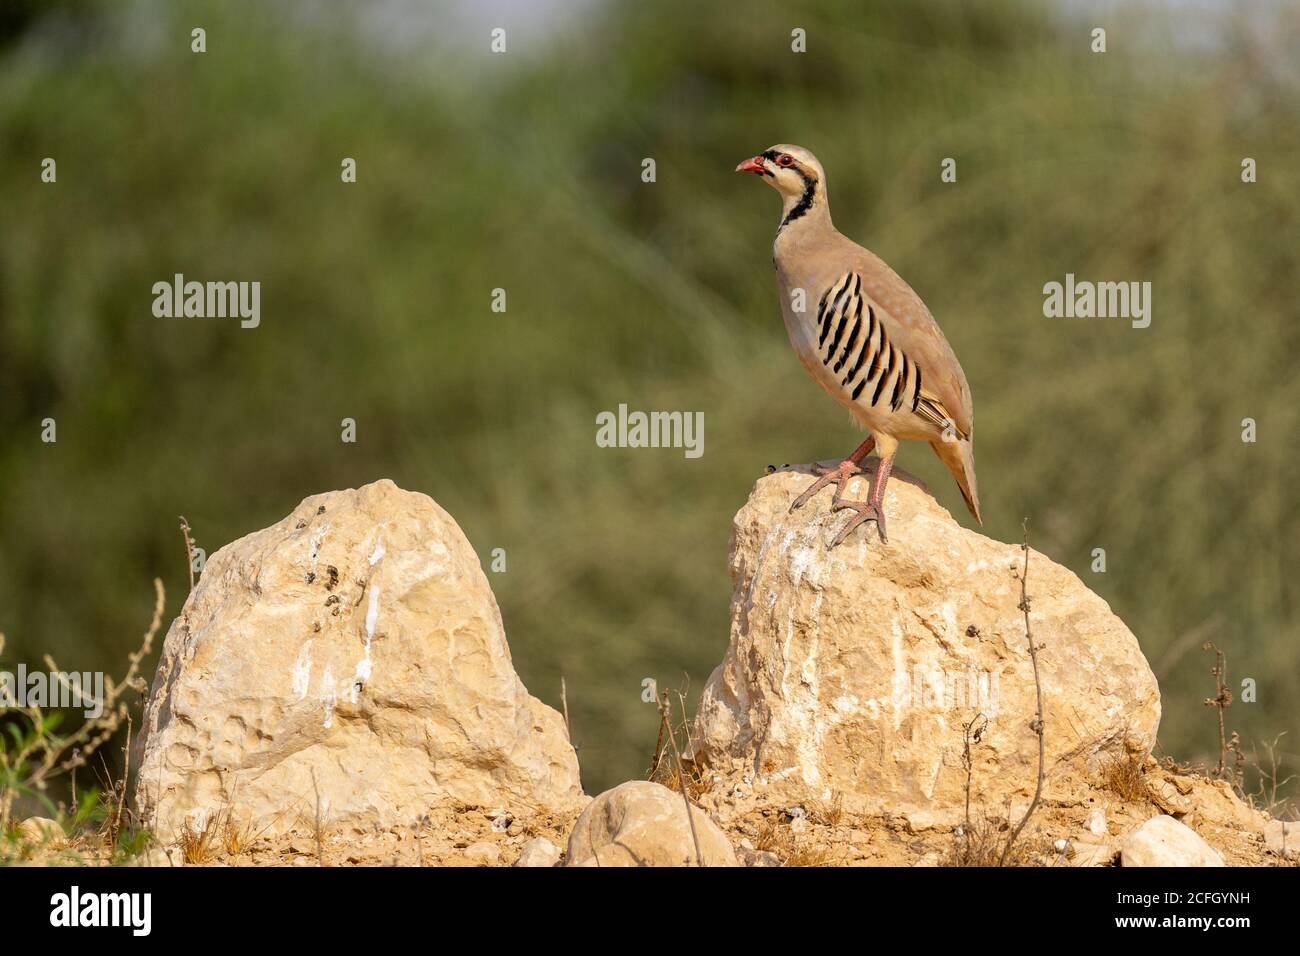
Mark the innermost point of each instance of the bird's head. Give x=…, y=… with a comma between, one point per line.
x=793, y=172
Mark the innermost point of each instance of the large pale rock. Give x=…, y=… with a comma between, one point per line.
x=1163, y=841
x=347, y=665
x=640, y=823
x=852, y=672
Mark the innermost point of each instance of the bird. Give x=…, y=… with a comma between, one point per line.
x=866, y=337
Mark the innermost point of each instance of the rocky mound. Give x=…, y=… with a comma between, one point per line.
x=338, y=691
x=852, y=673
x=346, y=667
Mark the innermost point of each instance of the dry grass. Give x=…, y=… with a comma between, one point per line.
x=35, y=754
x=778, y=838
x=688, y=777
x=829, y=813
x=1272, y=779
x=199, y=843
x=667, y=767
x=237, y=836
x=990, y=842
x=1126, y=778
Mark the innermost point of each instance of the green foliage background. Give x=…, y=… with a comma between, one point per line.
x=523, y=171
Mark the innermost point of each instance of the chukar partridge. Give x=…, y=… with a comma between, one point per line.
x=866, y=338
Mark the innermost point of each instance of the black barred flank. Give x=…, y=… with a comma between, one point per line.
x=835, y=306
x=866, y=345
x=884, y=377
x=821, y=308
x=853, y=334
x=839, y=333
x=830, y=313
x=916, y=397
x=897, y=398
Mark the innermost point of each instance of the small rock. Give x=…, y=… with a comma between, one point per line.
x=752, y=857
x=1168, y=798
x=1092, y=854
x=42, y=831
x=486, y=853
x=1097, y=822
x=171, y=856
x=1163, y=841
x=1218, y=803
x=539, y=852
x=640, y=823
x=919, y=821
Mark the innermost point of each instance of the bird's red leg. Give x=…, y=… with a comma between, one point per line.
x=870, y=510
x=838, y=475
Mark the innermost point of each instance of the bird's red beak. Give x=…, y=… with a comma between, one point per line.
x=754, y=165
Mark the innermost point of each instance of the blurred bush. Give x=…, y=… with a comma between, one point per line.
x=523, y=172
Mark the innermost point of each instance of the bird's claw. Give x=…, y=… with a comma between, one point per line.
x=836, y=476
x=865, y=511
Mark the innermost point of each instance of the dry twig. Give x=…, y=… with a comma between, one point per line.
x=1037, y=724
x=664, y=708
x=189, y=549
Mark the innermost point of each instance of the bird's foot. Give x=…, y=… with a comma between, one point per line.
x=864, y=511
x=829, y=476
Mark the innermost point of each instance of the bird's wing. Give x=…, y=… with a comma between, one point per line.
x=912, y=330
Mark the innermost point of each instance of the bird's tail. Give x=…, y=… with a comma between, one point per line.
x=959, y=456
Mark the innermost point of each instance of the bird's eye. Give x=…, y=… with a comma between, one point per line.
x=785, y=159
